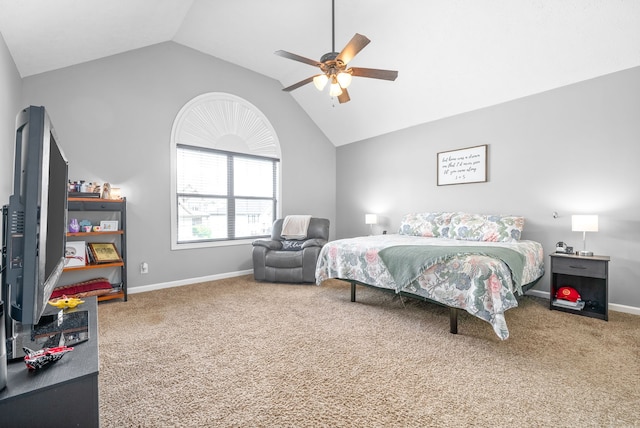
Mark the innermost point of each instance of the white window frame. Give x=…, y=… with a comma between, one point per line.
x=220, y=121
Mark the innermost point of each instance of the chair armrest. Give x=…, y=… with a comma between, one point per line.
x=314, y=242
x=267, y=243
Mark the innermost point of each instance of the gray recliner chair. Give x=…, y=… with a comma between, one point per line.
x=282, y=260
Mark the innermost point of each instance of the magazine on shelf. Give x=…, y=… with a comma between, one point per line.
x=577, y=305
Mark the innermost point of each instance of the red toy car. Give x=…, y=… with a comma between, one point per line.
x=38, y=359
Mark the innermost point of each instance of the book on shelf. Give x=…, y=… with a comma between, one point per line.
x=90, y=259
x=577, y=305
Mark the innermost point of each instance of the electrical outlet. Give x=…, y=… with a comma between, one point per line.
x=144, y=267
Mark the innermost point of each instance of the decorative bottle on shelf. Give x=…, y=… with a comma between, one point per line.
x=74, y=226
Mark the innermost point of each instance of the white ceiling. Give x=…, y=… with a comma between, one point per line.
x=452, y=56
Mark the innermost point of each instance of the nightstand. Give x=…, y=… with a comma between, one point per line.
x=589, y=275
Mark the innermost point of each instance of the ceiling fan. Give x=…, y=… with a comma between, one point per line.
x=334, y=66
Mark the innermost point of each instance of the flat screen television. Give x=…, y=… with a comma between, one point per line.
x=34, y=221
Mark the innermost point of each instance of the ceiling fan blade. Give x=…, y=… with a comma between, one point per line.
x=355, y=45
x=300, y=83
x=297, y=58
x=374, y=73
x=344, y=96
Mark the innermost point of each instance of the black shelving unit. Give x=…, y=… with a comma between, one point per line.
x=103, y=209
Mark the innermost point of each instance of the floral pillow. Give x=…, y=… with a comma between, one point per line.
x=488, y=228
x=504, y=228
x=433, y=225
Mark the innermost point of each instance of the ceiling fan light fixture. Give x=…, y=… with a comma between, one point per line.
x=335, y=90
x=320, y=81
x=333, y=66
x=344, y=79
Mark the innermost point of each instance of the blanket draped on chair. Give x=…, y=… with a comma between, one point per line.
x=295, y=226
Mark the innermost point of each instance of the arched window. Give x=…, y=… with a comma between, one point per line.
x=225, y=165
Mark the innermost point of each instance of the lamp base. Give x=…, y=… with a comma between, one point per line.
x=585, y=253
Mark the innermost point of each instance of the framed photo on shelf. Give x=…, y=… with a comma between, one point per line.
x=108, y=225
x=104, y=252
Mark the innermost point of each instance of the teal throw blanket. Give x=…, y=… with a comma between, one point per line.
x=407, y=262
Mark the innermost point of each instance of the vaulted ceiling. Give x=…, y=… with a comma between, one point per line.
x=453, y=56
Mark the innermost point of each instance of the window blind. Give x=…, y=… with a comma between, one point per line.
x=224, y=195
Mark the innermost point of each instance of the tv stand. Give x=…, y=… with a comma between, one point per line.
x=62, y=394
x=57, y=327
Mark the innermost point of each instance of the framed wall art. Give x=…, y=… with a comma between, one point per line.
x=468, y=165
x=75, y=254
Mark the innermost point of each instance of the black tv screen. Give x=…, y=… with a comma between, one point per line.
x=36, y=218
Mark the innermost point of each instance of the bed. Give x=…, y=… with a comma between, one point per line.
x=464, y=261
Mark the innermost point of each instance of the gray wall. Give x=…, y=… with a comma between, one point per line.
x=113, y=117
x=573, y=150
x=10, y=90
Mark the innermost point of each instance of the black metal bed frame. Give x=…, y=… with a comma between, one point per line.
x=453, y=312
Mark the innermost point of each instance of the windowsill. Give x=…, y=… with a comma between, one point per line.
x=210, y=244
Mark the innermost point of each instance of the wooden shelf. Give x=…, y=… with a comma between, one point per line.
x=109, y=232
x=71, y=198
x=117, y=293
x=94, y=266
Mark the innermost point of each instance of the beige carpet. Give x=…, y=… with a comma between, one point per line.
x=244, y=354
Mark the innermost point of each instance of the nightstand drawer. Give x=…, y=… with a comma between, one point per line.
x=580, y=267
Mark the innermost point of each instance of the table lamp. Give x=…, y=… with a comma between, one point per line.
x=584, y=224
x=371, y=219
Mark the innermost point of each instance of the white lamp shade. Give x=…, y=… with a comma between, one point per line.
x=344, y=79
x=335, y=90
x=584, y=223
x=370, y=219
x=320, y=81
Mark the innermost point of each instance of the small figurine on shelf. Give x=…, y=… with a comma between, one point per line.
x=74, y=226
x=37, y=359
x=106, y=191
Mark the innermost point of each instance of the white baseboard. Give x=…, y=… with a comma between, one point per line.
x=189, y=281
x=612, y=306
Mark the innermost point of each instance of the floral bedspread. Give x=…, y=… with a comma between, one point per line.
x=479, y=284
